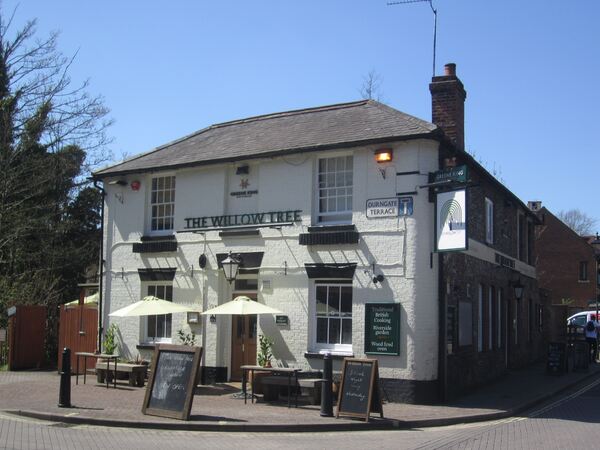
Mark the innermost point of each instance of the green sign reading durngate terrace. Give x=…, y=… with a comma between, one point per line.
x=382, y=328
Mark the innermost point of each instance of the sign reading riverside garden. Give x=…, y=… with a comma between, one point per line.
x=243, y=220
x=451, y=221
x=382, y=328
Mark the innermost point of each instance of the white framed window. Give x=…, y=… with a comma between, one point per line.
x=162, y=203
x=334, y=189
x=489, y=221
x=480, y=320
x=158, y=328
x=333, y=316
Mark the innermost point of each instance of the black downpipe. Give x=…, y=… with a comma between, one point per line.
x=100, y=267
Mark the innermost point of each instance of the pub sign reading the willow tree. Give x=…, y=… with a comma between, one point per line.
x=382, y=328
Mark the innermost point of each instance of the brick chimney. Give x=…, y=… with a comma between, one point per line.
x=448, y=105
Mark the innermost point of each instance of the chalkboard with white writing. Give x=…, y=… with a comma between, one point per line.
x=358, y=395
x=170, y=390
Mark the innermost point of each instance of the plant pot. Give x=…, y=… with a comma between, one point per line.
x=258, y=386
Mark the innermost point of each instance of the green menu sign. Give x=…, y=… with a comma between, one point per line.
x=382, y=328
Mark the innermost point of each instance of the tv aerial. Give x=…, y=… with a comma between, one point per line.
x=406, y=2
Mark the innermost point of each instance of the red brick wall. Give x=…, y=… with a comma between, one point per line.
x=559, y=252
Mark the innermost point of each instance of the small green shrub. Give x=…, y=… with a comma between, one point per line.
x=110, y=339
x=187, y=338
x=265, y=350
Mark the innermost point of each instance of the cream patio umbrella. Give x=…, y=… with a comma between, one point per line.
x=90, y=300
x=151, y=306
x=241, y=306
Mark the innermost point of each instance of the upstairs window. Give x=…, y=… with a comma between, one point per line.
x=335, y=190
x=489, y=221
x=162, y=203
x=521, y=238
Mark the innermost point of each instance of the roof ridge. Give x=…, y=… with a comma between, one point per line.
x=292, y=112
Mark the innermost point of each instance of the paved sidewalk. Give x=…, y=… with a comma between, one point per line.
x=35, y=394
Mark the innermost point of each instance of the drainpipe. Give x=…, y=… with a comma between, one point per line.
x=100, y=266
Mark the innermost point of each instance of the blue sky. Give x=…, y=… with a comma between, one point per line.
x=167, y=69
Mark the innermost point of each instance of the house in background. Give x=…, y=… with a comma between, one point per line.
x=566, y=262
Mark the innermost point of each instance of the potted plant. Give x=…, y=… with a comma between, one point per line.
x=110, y=339
x=188, y=339
x=265, y=351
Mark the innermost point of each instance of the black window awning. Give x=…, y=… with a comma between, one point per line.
x=330, y=270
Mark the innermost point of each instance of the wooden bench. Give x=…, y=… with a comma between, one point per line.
x=136, y=373
x=272, y=386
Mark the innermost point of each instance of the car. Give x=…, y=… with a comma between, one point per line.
x=581, y=318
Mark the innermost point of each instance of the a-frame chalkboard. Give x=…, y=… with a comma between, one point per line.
x=170, y=390
x=359, y=395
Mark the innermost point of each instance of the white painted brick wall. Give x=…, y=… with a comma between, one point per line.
x=400, y=248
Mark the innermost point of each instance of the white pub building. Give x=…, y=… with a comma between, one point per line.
x=328, y=212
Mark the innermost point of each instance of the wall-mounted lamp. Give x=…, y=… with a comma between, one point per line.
x=519, y=288
x=213, y=318
x=383, y=155
x=378, y=278
x=230, y=267
x=242, y=170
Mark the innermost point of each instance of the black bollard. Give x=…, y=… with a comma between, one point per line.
x=64, y=395
x=326, y=390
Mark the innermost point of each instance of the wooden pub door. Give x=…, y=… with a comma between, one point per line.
x=243, y=332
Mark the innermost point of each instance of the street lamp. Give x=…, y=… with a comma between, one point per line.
x=230, y=267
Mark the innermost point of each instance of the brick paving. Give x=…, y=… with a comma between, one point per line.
x=215, y=408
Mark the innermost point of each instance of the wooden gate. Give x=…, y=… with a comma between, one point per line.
x=26, y=336
x=78, y=331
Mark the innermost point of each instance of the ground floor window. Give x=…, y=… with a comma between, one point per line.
x=158, y=328
x=333, y=316
x=465, y=323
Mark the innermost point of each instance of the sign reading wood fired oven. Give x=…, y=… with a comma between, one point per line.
x=389, y=207
x=270, y=218
x=382, y=328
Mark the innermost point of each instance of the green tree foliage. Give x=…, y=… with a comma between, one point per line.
x=51, y=133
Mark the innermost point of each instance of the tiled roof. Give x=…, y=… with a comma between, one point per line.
x=280, y=133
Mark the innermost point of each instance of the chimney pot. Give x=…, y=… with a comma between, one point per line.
x=450, y=69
